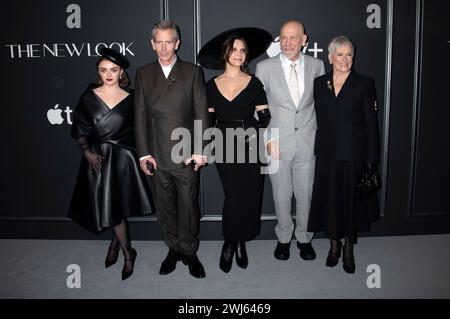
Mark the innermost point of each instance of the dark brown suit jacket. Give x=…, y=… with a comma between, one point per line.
x=162, y=105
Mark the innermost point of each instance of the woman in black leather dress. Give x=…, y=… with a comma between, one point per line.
x=110, y=185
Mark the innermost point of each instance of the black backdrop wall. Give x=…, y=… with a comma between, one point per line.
x=49, y=50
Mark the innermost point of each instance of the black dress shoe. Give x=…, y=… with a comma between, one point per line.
x=306, y=251
x=349, y=265
x=348, y=262
x=282, y=251
x=226, y=257
x=241, y=255
x=128, y=272
x=333, y=257
x=195, y=266
x=170, y=263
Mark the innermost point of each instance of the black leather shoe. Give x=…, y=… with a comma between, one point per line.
x=282, y=251
x=348, y=262
x=333, y=257
x=128, y=272
x=241, y=255
x=349, y=265
x=170, y=263
x=306, y=251
x=226, y=257
x=195, y=266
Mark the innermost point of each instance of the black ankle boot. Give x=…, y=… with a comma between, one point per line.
x=226, y=257
x=241, y=255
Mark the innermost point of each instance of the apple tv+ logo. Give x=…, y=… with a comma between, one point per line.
x=55, y=116
x=275, y=49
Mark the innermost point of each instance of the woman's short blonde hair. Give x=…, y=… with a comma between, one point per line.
x=338, y=42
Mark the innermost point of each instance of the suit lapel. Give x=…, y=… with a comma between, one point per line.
x=329, y=83
x=282, y=80
x=156, y=81
x=306, y=76
x=346, y=87
x=166, y=83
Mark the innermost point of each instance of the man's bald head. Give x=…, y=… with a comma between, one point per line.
x=292, y=39
x=294, y=23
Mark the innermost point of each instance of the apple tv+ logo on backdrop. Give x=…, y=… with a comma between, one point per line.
x=55, y=115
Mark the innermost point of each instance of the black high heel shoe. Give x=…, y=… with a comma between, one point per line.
x=126, y=274
x=111, y=257
x=226, y=257
x=348, y=262
x=333, y=257
x=241, y=255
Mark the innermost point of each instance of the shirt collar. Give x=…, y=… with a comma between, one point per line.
x=170, y=66
x=286, y=61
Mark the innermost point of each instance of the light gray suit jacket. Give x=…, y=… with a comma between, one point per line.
x=297, y=126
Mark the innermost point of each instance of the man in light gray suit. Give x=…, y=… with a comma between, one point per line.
x=288, y=81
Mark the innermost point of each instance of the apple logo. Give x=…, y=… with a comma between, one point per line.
x=54, y=115
x=274, y=48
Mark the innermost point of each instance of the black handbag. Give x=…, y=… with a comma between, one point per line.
x=369, y=184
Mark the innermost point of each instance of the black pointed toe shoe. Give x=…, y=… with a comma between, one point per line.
x=111, y=257
x=241, y=255
x=126, y=273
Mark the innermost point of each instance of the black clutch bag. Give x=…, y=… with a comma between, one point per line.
x=369, y=184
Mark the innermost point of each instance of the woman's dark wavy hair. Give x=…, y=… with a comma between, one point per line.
x=124, y=80
x=227, y=49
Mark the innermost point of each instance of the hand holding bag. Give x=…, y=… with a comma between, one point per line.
x=369, y=184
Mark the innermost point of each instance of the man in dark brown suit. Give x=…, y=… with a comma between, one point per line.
x=169, y=95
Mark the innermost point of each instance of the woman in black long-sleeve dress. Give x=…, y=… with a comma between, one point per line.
x=233, y=98
x=110, y=185
x=346, y=145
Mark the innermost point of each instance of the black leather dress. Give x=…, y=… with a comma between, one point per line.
x=120, y=189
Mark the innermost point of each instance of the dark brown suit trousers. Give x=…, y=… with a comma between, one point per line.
x=161, y=106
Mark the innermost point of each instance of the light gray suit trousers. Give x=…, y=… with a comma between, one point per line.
x=296, y=131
